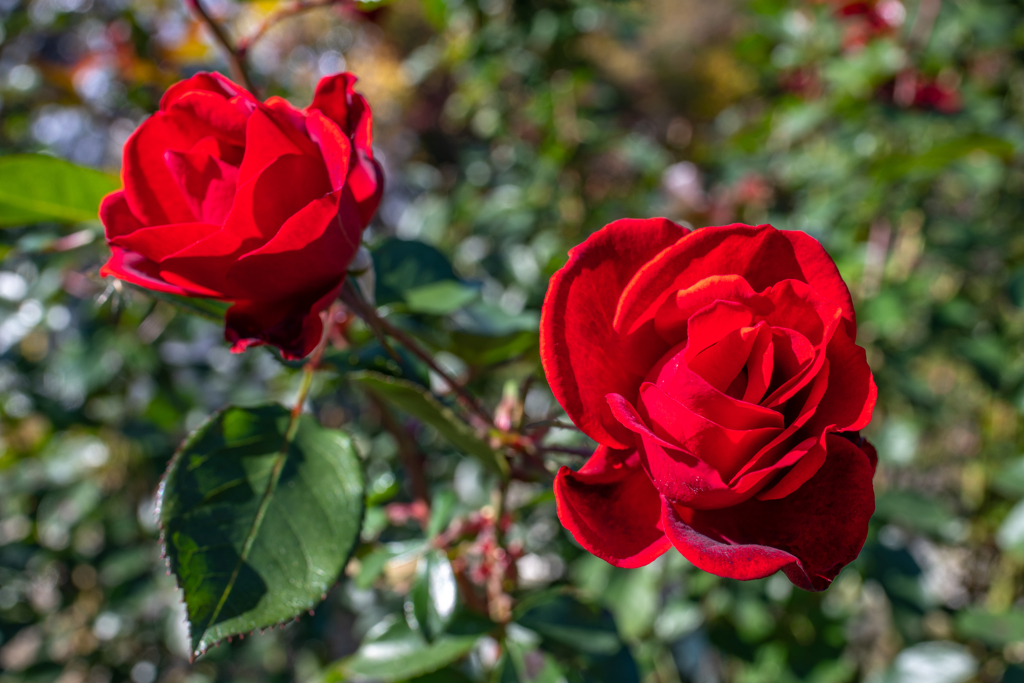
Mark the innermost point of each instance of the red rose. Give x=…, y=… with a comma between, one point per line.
x=717, y=370
x=257, y=203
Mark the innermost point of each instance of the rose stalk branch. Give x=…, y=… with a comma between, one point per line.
x=236, y=61
x=351, y=297
x=408, y=451
x=289, y=10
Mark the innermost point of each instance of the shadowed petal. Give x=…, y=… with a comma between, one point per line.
x=611, y=508
x=810, y=534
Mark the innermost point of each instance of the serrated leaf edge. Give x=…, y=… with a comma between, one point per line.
x=172, y=463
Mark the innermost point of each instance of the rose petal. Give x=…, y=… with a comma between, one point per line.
x=206, y=182
x=673, y=317
x=310, y=253
x=677, y=380
x=269, y=136
x=677, y=474
x=260, y=209
x=806, y=459
x=204, y=82
x=713, y=322
x=288, y=184
x=762, y=255
x=293, y=326
x=116, y=216
x=581, y=352
x=163, y=240
x=811, y=534
x=366, y=180
x=286, y=112
x=779, y=452
x=721, y=362
x=336, y=98
x=334, y=145
x=211, y=114
x=611, y=508
x=849, y=403
x=727, y=450
x=219, y=148
x=760, y=366
x=149, y=188
x=138, y=270
x=820, y=272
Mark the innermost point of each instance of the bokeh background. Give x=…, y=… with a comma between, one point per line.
x=892, y=131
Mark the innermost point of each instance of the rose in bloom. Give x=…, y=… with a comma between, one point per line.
x=717, y=370
x=256, y=203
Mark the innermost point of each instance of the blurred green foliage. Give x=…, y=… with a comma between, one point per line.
x=510, y=131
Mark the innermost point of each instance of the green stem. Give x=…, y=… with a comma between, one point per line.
x=307, y=372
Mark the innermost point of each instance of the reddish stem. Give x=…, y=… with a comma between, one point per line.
x=235, y=61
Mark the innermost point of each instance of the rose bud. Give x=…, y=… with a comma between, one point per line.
x=256, y=203
x=717, y=371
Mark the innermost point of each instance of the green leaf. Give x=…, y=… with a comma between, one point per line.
x=442, y=509
x=434, y=594
x=1010, y=480
x=36, y=187
x=584, y=636
x=995, y=630
x=916, y=512
x=403, y=265
x=940, y=157
x=445, y=675
x=477, y=349
x=439, y=298
x=516, y=669
x=260, y=514
x=484, y=319
x=422, y=405
x=397, y=653
x=567, y=621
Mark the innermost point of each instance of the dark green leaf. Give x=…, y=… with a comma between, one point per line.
x=916, y=512
x=439, y=298
x=583, y=635
x=484, y=319
x=466, y=622
x=434, y=594
x=996, y=630
x=399, y=653
x=441, y=511
x=422, y=405
x=1010, y=480
x=446, y=675
x=515, y=667
x=477, y=349
x=259, y=517
x=565, y=620
x=941, y=156
x=404, y=265
x=36, y=187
